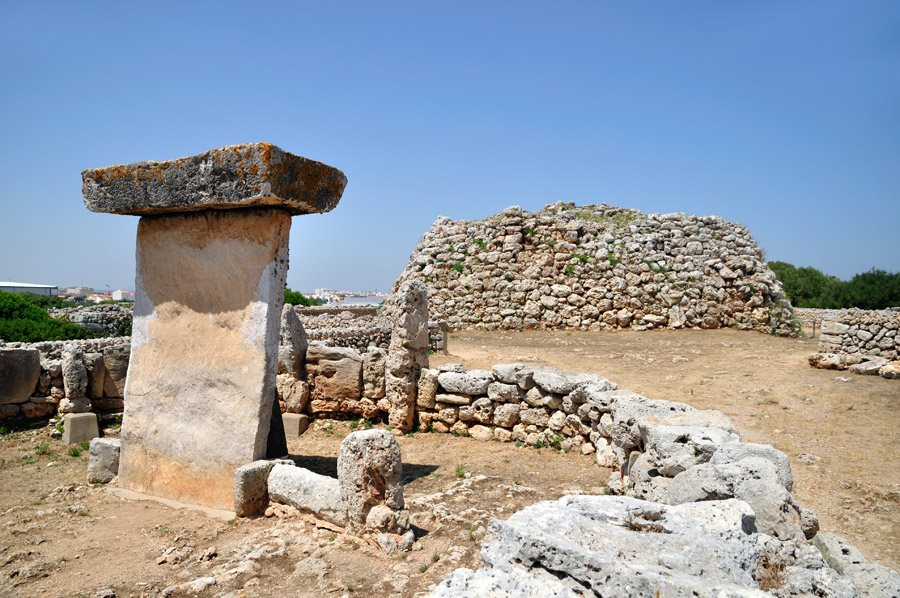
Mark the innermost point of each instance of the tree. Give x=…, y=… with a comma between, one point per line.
x=298, y=298
x=809, y=287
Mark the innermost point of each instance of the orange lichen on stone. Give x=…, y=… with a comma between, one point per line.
x=257, y=174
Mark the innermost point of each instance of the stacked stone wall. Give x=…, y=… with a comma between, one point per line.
x=359, y=327
x=74, y=376
x=596, y=268
x=862, y=341
x=108, y=319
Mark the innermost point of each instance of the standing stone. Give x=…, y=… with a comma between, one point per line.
x=212, y=254
x=96, y=374
x=292, y=344
x=373, y=373
x=20, y=370
x=407, y=353
x=75, y=380
x=103, y=462
x=116, y=361
x=370, y=473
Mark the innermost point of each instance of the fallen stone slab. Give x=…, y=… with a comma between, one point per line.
x=471, y=383
x=308, y=492
x=251, y=488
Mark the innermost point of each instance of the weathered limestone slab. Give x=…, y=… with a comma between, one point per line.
x=234, y=176
x=307, y=491
x=19, y=373
x=201, y=380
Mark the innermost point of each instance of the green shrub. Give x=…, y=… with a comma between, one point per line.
x=298, y=298
x=22, y=321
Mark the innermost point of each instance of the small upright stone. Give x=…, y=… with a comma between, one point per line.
x=407, y=353
x=292, y=344
x=80, y=427
x=251, y=488
x=74, y=373
x=103, y=462
x=370, y=472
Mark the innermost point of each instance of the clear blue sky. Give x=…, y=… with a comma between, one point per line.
x=784, y=116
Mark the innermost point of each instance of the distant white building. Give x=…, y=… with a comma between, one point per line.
x=120, y=295
x=26, y=287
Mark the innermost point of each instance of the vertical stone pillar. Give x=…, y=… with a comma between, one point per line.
x=407, y=353
x=212, y=255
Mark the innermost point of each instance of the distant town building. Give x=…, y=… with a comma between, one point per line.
x=76, y=291
x=27, y=287
x=120, y=295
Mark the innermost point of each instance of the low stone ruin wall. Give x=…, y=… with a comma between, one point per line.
x=108, y=319
x=40, y=379
x=813, y=316
x=729, y=501
x=862, y=341
x=596, y=268
x=359, y=327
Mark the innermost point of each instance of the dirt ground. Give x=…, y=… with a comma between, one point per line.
x=61, y=537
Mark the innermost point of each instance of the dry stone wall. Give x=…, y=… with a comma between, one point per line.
x=108, y=319
x=72, y=377
x=862, y=341
x=359, y=327
x=596, y=268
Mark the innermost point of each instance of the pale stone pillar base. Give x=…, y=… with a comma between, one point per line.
x=205, y=339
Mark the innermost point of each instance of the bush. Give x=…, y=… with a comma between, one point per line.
x=22, y=321
x=44, y=301
x=297, y=298
x=808, y=287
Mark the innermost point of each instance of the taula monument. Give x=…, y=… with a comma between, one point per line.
x=212, y=255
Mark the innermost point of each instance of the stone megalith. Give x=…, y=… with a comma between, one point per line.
x=370, y=472
x=407, y=353
x=212, y=255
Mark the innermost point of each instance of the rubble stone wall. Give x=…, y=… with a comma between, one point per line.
x=596, y=268
x=94, y=368
x=109, y=319
x=862, y=341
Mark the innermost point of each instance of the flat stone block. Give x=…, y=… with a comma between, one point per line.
x=295, y=424
x=234, y=176
x=201, y=378
x=103, y=463
x=19, y=373
x=79, y=427
x=251, y=488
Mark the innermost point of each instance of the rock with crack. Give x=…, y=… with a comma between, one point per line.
x=616, y=547
x=753, y=480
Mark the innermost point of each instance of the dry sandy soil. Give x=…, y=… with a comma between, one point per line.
x=61, y=537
